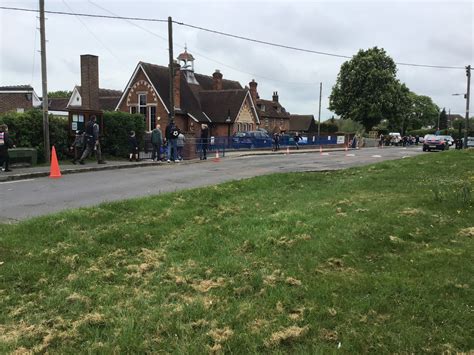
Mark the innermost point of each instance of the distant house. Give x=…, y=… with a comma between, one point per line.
x=18, y=98
x=272, y=115
x=303, y=124
x=222, y=104
x=87, y=100
x=454, y=117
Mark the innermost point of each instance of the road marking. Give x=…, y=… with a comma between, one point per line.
x=324, y=153
x=12, y=182
x=376, y=156
x=350, y=155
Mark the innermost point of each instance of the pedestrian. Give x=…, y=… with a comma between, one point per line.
x=204, y=141
x=180, y=144
x=381, y=140
x=92, y=141
x=78, y=146
x=133, y=144
x=5, y=143
x=297, y=139
x=276, y=141
x=417, y=139
x=156, y=142
x=171, y=134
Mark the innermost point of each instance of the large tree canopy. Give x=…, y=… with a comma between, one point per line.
x=366, y=89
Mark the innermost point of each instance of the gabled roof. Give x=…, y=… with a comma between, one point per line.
x=218, y=104
x=105, y=92
x=16, y=88
x=58, y=104
x=271, y=108
x=190, y=94
x=301, y=122
x=108, y=98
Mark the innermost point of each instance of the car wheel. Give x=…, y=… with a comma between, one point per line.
x=424, y=148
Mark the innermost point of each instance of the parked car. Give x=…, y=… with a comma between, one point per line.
x=449, y=139
x=396, y=138
x=251, y=140
x=432, y=142
x=470, y=142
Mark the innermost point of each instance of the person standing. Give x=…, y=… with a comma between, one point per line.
x=171, y=134
x=204, y=141
x=180, y=145
x=133, y=143
x=5, y=143
x=156, y=142
x=92, y=141
x=297, y=139
x=78, y=146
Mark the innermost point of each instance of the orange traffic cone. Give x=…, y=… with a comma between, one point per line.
x=216, y=159
x=54, y=171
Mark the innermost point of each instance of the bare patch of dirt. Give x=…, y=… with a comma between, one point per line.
x=328, y=335
x=219, y=336
x=206, y=285
x=286, y=335
x=411, y=212
x=467, y=232
x=293, y=282
x=335, y=265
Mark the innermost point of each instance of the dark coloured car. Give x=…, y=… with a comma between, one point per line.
x=432, y=142
x=251, y=140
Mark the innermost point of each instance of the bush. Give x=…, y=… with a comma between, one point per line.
x=117, y=127
x=26, y=130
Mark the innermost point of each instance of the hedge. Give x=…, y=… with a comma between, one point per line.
x=26, y=130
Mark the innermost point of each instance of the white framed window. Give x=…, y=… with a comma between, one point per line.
x=142, y=108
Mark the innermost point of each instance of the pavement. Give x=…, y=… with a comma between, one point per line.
x=66, y=167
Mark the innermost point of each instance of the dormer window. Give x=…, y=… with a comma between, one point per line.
x=278, y=109
x=261, y=107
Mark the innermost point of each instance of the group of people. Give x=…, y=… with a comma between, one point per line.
x=87, y=142
x=169, y=148
x=404, y=141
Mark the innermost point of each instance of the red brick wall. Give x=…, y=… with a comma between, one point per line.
x=10, y=102
x=90, y=82
x=141, y=84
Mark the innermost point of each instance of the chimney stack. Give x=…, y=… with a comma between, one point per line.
x=253, y=91
x=177, y=85
x=90, y=82
x=217, y=80
x=275, y=96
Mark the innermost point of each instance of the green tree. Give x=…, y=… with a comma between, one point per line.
x=443, y=120
x=424, y=112
x=366, y=89
x=61, y=94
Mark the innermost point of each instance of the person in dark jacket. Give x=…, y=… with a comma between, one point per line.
x=92, y=141
x=204, y=141
x=5, y=143
x=133, y=143
x=156, y=142
x=172, y=133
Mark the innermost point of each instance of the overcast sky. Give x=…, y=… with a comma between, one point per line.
x=423, y=32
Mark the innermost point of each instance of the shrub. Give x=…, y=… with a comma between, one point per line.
x=26, y=130
x=117, y=127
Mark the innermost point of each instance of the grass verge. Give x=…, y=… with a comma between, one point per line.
x=372, y=259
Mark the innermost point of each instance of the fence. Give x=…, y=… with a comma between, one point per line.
x=194, y=147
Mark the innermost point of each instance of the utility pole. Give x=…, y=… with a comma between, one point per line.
x=47, y=151
x=170, y=45
x=319, y=115
x=468, y=92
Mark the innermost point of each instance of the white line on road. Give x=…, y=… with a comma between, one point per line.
x=376, y=156
x=350, y=155
x=14, y=181
x=324, y=153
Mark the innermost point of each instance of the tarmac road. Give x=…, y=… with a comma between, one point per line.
x=24, y=199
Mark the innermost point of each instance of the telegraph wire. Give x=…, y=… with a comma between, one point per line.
x=227, y=35
x=202, y=55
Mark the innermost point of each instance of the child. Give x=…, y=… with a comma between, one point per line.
x=78, y=146
x=132, y=140
x=180, y=145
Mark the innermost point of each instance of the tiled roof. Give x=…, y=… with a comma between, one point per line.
x=190, y=93
x=105, y=92
x=108, y=98
x=218, y=104
x=271, y=108
x=58, y=104
x=16, y=88
x=301, y=122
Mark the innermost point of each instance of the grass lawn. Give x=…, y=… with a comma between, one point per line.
x=373, y=259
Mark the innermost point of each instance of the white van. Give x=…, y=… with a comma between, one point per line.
x=396, y=138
